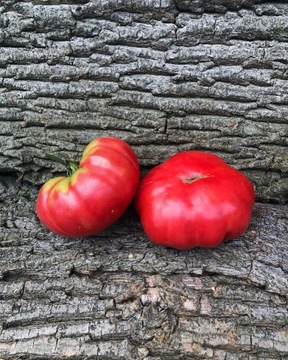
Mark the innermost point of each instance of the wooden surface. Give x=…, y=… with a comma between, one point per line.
x=165, y=76
x=117, y=296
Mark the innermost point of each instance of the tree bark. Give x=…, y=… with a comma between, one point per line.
x=165, y=76
x=117, y=296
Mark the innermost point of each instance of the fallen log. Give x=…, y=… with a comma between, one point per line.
x=165, y=76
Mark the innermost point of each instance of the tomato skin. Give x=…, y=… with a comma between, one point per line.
x=95, y=195
x=194, y=199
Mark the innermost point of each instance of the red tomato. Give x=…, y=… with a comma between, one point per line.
x=194, y=199
x=95, y=195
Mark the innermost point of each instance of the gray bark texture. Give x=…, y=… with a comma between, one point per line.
x=166, y=76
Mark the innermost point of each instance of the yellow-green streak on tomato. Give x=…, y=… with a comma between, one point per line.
x=95, y=195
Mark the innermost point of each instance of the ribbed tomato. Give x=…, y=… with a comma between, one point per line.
x=95, y=195
x=194, y=199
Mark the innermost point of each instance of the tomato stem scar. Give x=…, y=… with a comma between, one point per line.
x=193, y=178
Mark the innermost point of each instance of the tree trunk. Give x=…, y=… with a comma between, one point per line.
x=165, y=76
